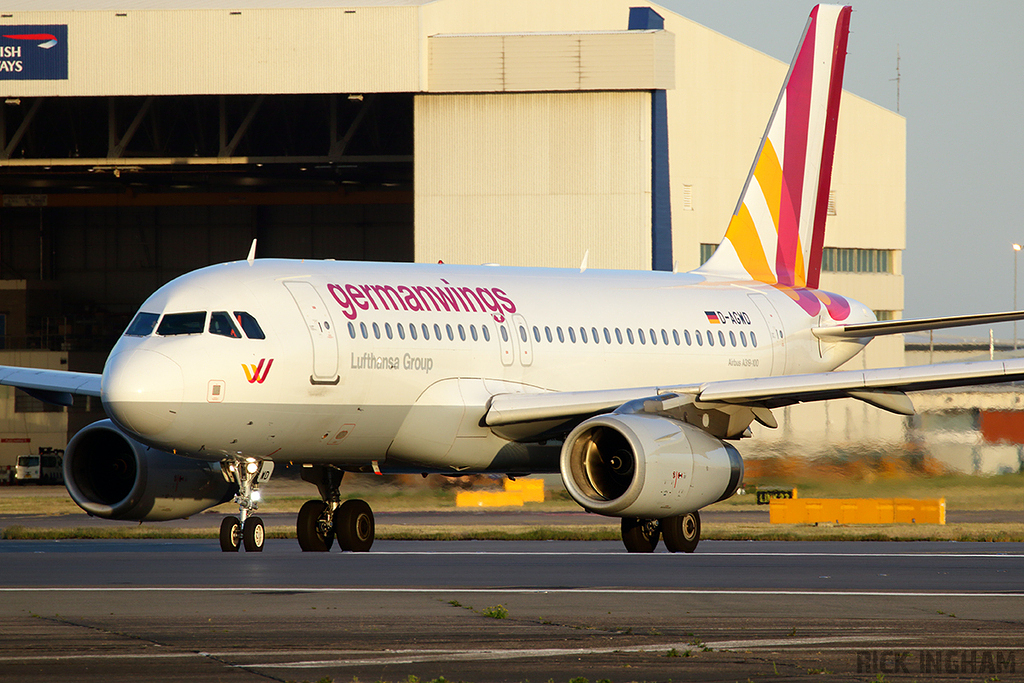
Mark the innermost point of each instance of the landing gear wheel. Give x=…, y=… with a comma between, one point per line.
x=230, y=534
x=681, y=533
x=353, y=525
x=640, y=535
x=315, y=528
x=253, y=535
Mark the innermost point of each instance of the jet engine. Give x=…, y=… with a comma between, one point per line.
x=647, y=466
x=110, y=475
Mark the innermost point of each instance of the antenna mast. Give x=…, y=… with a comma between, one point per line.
x=897, y=79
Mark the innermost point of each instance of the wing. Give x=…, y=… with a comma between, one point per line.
x=736, y=403
x=51, y=386
x=875, y=329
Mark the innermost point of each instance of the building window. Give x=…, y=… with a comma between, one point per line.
x=706, y=250
x=23, y=403
x=836, y=260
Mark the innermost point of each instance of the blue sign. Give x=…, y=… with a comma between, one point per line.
x=34, y=52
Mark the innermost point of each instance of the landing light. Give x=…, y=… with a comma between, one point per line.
x=251, y=467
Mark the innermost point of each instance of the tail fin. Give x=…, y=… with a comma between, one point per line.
x=778, y=229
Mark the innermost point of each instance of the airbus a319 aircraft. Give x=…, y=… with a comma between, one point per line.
x=632, y=385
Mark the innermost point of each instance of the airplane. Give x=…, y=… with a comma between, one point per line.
x=631, y=384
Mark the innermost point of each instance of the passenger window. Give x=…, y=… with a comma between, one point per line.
x=249, y=325
x=721, y=338
x=437, y=332
x=561, y=337
x=522, y=334
x=700, y=339
x=401, y=330
x=472, y=332
x=664, y=338
x=462, y=333
x=536, y=333
x=220, y=324
x=547, y=333
x=426, y=332
x=487, y=332
x=607, y=336
x=583, y=335
x=412, y=331
x=711, y=338
x=686, y=336
x=593, y=333
x=504, y=333
x=732, y=337
x=182, y=323
x=618, y=335
x=387, y=330
x=640, y=334
x=376, y=331
x=753, y=339
x=352, y=330
x=143, y=325
x=743, y=338
x=451, y=335
x=362, y=330
x=572, y=335
x=675, y=337
x=629, y=334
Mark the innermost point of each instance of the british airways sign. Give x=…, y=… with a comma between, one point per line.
x=34, y=52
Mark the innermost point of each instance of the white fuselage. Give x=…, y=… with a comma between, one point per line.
x=396, y=363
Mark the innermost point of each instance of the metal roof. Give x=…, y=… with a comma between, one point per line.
x=11, y=6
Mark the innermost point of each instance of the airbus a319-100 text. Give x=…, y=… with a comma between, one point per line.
x=632, y=385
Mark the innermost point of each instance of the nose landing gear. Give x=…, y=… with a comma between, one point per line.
x=247, y=529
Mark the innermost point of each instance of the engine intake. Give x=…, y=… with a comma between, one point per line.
x=110, y=475
x=648, y=466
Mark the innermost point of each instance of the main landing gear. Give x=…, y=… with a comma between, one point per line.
x=681, y=533
x=246, y=529
x=321, y=521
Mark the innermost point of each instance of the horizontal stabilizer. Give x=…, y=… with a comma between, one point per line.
x=876, y=329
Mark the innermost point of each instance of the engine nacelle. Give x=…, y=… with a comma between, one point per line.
x=648, y=466
x=113, y=476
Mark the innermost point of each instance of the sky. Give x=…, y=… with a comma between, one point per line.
x=962, y=93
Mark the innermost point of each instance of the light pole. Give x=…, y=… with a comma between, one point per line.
x=1016, y=250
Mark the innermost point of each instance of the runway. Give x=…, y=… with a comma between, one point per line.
x=171, y=610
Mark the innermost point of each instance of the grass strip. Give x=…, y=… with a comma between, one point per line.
x=1008, y=532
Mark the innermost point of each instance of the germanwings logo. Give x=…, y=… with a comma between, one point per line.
x=257, y=374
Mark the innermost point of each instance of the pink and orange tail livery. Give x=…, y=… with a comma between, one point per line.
x=777, y=232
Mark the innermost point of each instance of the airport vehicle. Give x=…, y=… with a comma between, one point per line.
x=45, y=468
x=632, y=385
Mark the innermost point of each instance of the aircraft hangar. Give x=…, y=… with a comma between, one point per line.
x=141, y=139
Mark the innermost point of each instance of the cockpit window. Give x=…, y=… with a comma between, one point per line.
x=182, y=323
x=249, y=324
x=143, y=325
x=220, y=323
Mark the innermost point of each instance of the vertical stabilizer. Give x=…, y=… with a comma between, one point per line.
x=777, y=231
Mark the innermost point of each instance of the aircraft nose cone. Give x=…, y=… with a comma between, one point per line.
x=142, y=391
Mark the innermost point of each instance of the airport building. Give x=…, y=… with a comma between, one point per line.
x=141, y=139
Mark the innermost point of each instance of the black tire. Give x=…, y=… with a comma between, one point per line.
x=253, y=535
x=354, y=526
x=230, y=534
x=681, y=533
x=316, y=533
x=640, y=535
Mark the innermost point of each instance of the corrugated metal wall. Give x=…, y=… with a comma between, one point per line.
x=534, y=179
x=621, y=60
x=198, y=52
